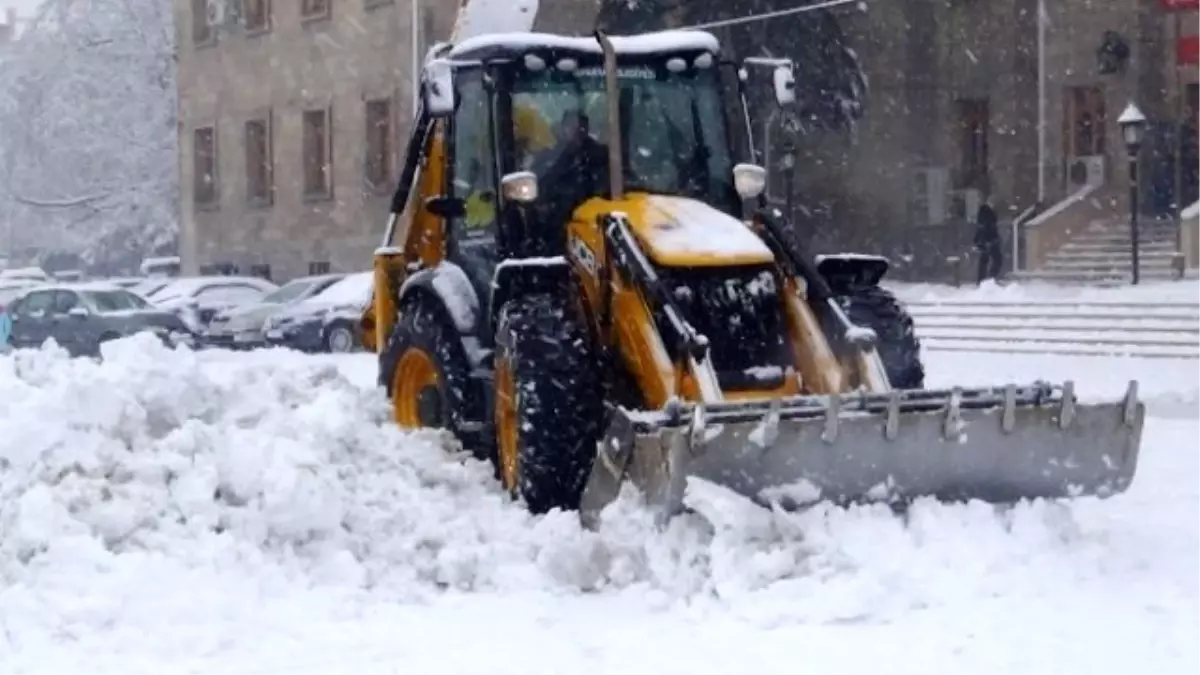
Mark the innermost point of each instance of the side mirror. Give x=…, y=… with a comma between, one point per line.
x=520, y=187
x=750, y=180
x=446, y=207
x=437, y=87
x=78, y=313
x=785, y=85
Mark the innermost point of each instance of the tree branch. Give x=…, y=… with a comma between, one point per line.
x=60, y=203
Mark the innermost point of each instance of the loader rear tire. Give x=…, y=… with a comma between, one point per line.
x=899, y=347
x=426, y=373
x=548, y=409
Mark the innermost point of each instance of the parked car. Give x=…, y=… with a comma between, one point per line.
x=328, y=321
x=242, y=326
x=198, y=299
x=25, y=273
x=80, y=317
x=128, y=283
x=148, y=286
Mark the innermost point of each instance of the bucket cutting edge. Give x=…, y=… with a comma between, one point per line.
x=998, y=445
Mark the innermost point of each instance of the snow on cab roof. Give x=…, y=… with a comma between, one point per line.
x=649, y=43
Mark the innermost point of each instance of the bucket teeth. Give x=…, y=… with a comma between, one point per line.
x=1131, y=401
x=767, y=431
x=1008, y=419
x=833, y=411
x=1066, y=413
x=698, y=432
x=891, y=427
x=952, y=423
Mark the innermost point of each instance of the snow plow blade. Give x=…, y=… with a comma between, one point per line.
x=998, y=445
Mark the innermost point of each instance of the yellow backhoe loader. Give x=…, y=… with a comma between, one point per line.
x=582, y=279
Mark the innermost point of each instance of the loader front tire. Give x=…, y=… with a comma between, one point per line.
x=899, y=348
x=425, y=371
x=548, y=410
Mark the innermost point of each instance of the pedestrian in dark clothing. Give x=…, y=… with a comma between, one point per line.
x=987, y=242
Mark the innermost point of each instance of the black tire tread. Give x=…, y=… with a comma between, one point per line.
x=559, y=411
x=899, y=348
x=422, y=323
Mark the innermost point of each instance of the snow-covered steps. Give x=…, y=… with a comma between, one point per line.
x=1150, y=329
x=1100, y=255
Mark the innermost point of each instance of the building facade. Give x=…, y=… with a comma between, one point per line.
x=292, y=115
x=291, y=120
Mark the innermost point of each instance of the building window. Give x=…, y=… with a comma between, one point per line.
x=314, y=9
x=1085, y=121
x=259, y=162
x=379, y=143
x=318, y=163
x=973, y=121
x=256, y=15
x=318, y=267
x=261, y=270
x=204, y=155
x=202, y=32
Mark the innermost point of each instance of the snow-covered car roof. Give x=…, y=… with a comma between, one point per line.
x=74, y=286
x=36, y=273
x=183, y=287
x=354, y=289
x=499, y=45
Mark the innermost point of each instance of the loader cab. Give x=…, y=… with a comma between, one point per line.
x=486, y=181
x=525, y=132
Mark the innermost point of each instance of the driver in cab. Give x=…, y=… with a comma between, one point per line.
x=573, y=169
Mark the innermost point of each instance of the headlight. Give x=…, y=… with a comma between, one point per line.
x=160, y=330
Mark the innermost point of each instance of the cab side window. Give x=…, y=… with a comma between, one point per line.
x=474, y=169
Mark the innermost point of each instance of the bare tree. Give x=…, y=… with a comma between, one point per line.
x=88, y=132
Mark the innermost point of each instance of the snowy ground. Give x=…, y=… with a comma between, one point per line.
x=1187, y=290
x=338, y=544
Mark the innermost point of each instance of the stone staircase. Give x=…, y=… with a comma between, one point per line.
x=1100, y=255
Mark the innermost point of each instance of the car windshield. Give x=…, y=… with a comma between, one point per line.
x=672, y=125
x=115, y=300
x=290, y=291
x=353, y=289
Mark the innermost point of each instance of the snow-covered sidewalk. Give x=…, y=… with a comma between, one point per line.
x=1187, y=290
x=170, y=511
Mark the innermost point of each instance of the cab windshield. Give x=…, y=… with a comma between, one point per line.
x=673, y=131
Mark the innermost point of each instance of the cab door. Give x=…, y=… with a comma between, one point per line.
x=471, y=240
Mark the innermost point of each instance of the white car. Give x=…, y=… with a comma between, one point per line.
x=326, y=322
x=198, y=299
x=242, y=326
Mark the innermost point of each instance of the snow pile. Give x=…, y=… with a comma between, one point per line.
x=129, y=486
x=153, y=450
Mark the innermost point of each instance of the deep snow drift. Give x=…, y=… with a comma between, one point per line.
x=232, y=512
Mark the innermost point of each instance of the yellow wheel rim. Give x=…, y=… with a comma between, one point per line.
x=506, y=424
x=415, y=376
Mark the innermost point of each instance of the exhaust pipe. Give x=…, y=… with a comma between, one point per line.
x=612, y=91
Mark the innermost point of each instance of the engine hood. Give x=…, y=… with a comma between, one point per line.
x=683, y=232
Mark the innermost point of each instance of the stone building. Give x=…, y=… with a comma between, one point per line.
x=292, y=114
x=292, y=117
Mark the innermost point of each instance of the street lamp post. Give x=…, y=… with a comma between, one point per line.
x=1133, y=126
x=788, y=164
